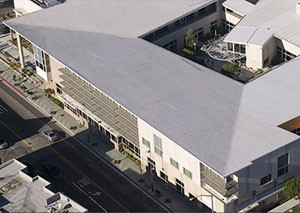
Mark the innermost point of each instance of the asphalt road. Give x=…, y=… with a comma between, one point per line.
x=85, y=178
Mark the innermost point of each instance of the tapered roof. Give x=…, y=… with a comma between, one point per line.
x=215, y=118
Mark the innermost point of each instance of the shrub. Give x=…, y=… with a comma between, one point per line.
x=188, y=51
x=230, y=69
x=48, y=91
x=58, y=102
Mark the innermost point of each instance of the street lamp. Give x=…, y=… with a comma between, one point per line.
x=151, y=171
x=212, y=200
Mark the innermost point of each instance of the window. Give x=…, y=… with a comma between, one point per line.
x=172, y=46
x=72, y=109
x=243, y=49
x=174, y=163
x=236, y=48
x=230, y=46
x=265, y=179
x=149, y=36
x=157, y=145
x=279, y=52
x=202, y=12
x=163, y=176
x=198, y=34
x=282, y=164
x=190, y=17
x=213, y=26
x=187, y=173
x=151, y=165
x=284, y=54
x=58, y=89
x=146, y=142
x=211, y=8
x=41, y=59
x=179, y=187
x=161, y=30
x=229, y=25
x=183, y=20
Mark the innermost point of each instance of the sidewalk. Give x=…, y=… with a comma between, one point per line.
x=98, y=143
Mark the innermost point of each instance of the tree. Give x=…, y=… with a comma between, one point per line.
x=292, y=189
x=189, y=38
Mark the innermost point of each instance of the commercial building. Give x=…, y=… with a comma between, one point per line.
x=21, y=193
x=231, y=145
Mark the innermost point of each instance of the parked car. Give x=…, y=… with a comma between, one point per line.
x=51, y=170
x=29, y=170
x=3, y=143
x=50, y=135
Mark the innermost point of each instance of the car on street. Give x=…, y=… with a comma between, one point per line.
x=3, y=143
x=52, y=170
x=50, y=135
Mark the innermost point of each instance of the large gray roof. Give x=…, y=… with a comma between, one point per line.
x=204, y=112
x=125, y=18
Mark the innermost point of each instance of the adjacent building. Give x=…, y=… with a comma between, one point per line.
x=266, y=31
x=231, y=145
x=21, y=193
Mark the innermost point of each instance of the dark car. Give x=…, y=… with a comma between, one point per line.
x=52, y=170
x=29, y=170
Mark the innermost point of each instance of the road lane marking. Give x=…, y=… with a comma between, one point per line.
x=3, y=109
x=13, y=87
x=89, y=179
x=80, y=189
x=18, y=136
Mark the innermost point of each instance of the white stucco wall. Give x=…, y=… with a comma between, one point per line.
x=232, y=19
x=184, y=159
x=254, y=56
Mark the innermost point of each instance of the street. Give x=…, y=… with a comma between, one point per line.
x=85, y=178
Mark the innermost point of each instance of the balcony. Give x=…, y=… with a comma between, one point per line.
x=210, y=180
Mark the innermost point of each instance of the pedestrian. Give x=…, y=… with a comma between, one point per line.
x=14, y=78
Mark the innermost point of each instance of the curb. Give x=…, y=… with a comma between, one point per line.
x=98, y=155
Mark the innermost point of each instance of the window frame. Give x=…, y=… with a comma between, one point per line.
x=174, y=163
x=284, y=168
x=268, y=180
x=187, y=173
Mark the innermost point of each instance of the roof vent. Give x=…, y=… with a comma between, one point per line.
x=298, y=7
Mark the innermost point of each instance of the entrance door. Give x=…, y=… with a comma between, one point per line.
x=151, y=166
x=179, y=187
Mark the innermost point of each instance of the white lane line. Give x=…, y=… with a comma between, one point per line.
x=3, y=109
x=80, y=189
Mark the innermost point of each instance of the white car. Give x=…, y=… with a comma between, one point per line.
x=3, y=143
x=50, y=135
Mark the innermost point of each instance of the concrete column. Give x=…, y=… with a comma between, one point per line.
x=11, y=34
x=21, y=54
